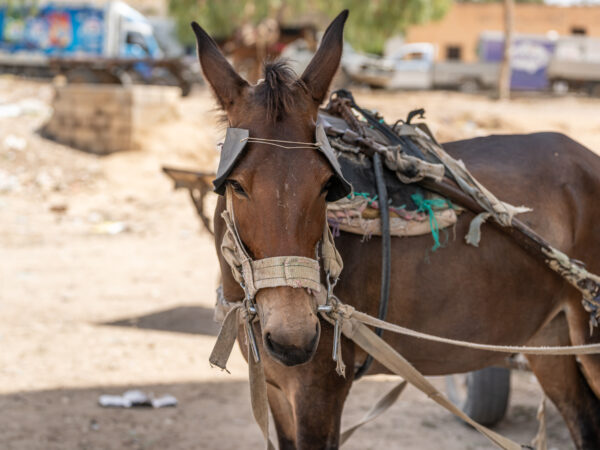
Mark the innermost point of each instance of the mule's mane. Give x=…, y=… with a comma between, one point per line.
x=276, y=92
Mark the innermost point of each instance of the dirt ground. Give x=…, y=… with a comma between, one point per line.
x=107, y=283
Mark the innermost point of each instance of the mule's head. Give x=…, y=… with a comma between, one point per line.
x=279, y=195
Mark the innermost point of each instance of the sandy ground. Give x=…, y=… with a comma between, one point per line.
x=107, y=283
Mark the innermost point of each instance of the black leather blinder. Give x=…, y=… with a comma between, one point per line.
x=236, y=141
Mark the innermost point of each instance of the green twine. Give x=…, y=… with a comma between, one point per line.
x=424, y=205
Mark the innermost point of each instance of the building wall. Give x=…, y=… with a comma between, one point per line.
x=465, y=21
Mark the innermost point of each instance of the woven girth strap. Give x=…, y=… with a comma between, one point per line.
x=291, y=271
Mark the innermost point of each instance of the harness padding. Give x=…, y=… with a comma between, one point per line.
x=290, y=271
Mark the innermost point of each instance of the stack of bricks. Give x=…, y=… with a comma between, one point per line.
x=103, y=118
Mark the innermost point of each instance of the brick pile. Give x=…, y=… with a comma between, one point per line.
x=103, y=119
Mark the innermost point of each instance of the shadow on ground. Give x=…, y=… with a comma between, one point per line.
x=72, y=419
x=182, y=319
x=217, y=415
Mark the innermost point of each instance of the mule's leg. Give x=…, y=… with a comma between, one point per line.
x=283, y=417
x=579, y=331
x=566, y=386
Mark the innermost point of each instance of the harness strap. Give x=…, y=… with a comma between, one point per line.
x=392, y=360
x=382, y=405
x=347, y=312
x=256, y=374
x=386, y=256
x=332, y=260
x=258, y=397
x=291, y=271
x=353, y=325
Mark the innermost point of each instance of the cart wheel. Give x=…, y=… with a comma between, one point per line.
x=482, y=394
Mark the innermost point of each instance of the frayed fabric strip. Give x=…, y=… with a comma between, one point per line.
x=474, y=235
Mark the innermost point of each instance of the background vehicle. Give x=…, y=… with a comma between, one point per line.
x=576, y=65
x=539, y=63
x=114, y=44
x=412, y=66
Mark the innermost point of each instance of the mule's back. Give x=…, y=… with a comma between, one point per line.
x=548, y=172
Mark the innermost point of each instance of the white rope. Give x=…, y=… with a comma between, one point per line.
x=348, y=312
x=274, y=142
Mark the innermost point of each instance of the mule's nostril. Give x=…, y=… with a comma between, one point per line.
x=290, y=354
x=272, y=346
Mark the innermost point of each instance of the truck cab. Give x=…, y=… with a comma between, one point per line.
x=75, y=30
x=129, y=34
x=412, y=66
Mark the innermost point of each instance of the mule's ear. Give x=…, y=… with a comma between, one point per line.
x=224, y=80
x=324, y=65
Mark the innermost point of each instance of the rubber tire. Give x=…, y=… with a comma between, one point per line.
x=487, y=394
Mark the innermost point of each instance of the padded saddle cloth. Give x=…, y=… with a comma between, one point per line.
x=359, y=214
x=358, y=170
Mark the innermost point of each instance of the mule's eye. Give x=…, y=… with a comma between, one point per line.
x=237, y=187
x=327, y=186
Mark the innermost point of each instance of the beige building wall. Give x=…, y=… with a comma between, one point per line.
x=465, y=21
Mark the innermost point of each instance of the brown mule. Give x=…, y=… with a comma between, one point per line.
x=495, y=294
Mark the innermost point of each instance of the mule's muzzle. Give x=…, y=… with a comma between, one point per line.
x=291, y=354
x=289, y=323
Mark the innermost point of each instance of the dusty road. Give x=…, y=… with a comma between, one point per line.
x=107, y=283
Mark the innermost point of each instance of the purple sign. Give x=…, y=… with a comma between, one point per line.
x=529, y=62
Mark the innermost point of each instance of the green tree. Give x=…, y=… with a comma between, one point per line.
x=370, y=23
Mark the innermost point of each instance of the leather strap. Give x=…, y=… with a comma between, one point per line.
x=392, y=360
x=253, y=275
x=382, y=405
x=258, y=397
x=353, y=325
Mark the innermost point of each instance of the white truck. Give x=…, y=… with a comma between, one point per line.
x=412, y=66
x=575, y=65
x=112, y=43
